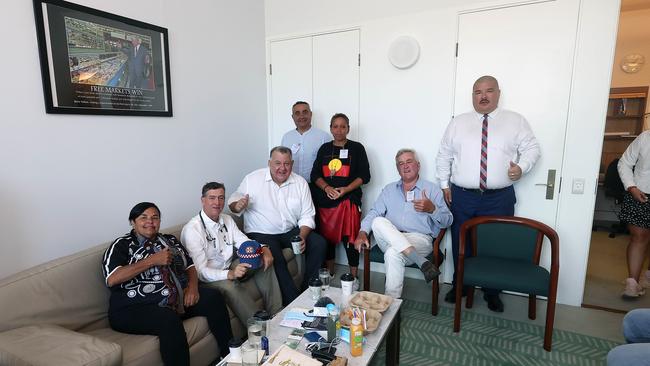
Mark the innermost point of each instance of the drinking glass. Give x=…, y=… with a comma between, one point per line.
x=254, y=332
x=249, y=355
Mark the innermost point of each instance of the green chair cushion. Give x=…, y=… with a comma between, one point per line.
x=506, y=274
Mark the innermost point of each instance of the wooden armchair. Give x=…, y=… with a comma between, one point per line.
x=506, y=253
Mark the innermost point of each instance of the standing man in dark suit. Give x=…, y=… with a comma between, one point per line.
x=138, y=63
x=482, y=153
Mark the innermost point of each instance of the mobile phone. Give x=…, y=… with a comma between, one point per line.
x=313, y=336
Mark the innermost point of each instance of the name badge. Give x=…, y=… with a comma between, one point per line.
x=295, y=148
x=343, y=154
x=410, y=196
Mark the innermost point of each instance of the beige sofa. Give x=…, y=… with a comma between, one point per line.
x=56, y=314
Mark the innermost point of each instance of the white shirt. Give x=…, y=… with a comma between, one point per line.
x=273, y=208
x=510, y=138
x=212, y=259
x=636, y=156
x=304, y=148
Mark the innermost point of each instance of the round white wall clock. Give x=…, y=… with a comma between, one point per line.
x=404, y=52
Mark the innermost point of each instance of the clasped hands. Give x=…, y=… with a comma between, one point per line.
x=335, y=193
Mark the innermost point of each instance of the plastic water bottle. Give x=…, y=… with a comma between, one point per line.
x=333, y=323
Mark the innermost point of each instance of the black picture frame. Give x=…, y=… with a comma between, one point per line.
x=94, y=62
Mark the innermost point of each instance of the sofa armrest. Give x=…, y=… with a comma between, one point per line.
x=54, y=345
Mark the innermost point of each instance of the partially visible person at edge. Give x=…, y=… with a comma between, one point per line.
x=482, y=153
x=340, y=168
x=154, y=287
x=634, y=170
x=212, y=239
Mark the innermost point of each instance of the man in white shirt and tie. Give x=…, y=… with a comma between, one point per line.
x=276, y=204
x=304, y=141
x=481, y=155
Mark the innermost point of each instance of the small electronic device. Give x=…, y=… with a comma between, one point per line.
x=317, y=323
x=313, y=336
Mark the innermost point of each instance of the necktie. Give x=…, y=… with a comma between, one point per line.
x=484, y=136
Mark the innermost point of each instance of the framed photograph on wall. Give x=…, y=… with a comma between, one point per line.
x=93, y=62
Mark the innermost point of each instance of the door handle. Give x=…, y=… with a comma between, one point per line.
x=550, y=184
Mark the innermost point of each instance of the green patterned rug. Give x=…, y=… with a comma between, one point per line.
x=486, y=340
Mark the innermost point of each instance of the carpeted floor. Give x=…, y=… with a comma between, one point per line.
x=487, y=340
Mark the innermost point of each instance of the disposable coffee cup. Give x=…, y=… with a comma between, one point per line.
x=235, y=348
x=347, y=281
x=295, y=244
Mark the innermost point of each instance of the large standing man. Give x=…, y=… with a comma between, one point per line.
x=305, y=140
x=481, y=154
x=277, y=205
x=211, y=238
x=406, y=217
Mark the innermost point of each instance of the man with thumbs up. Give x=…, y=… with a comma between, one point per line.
x=482, y=153
x=406, y=217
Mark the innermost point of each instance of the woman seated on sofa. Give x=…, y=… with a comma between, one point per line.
x=154, y=287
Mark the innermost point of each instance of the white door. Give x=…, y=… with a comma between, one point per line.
x=321, y=70
x=336, y=79
x=529, y=49
x=290, y=81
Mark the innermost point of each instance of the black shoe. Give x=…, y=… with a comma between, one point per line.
x=430, y=271
x=494, y=303
x=451, y=295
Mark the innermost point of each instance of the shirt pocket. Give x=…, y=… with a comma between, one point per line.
x=295, y=207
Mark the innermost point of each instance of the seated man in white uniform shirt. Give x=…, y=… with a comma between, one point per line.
x=277, y=206
x=211, y=238
x=405, y=218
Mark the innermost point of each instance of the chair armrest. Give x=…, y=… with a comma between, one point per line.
x=55, y=345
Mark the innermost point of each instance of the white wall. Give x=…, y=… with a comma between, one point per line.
x=397, y=108
x=68, y=182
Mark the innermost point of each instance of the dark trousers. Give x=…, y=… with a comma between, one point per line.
x=314, y=258
x=168, y=325
x=350, y=251
x=466, y=205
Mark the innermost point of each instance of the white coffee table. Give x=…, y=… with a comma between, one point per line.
x=388, y=327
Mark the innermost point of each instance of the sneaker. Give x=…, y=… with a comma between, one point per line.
x=430, y=271
x=355, y=285
x=644, y=280
x=632, y=289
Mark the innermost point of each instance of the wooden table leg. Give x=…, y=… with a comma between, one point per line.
x=392, y=341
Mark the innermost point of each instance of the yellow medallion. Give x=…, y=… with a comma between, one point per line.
x=334, y=166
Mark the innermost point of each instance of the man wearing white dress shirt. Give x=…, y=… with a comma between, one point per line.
x=481, y=155
x=304, y=141
x=211, y=238
x=277, y=206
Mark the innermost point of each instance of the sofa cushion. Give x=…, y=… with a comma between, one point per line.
x=143, y=349
x=53, y=345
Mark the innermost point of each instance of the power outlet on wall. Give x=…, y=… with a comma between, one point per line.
x=578, y=186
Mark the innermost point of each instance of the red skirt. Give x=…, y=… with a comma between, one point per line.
x=336, y=222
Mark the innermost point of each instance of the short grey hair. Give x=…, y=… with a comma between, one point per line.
x=281, y=150
x=403, y=151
